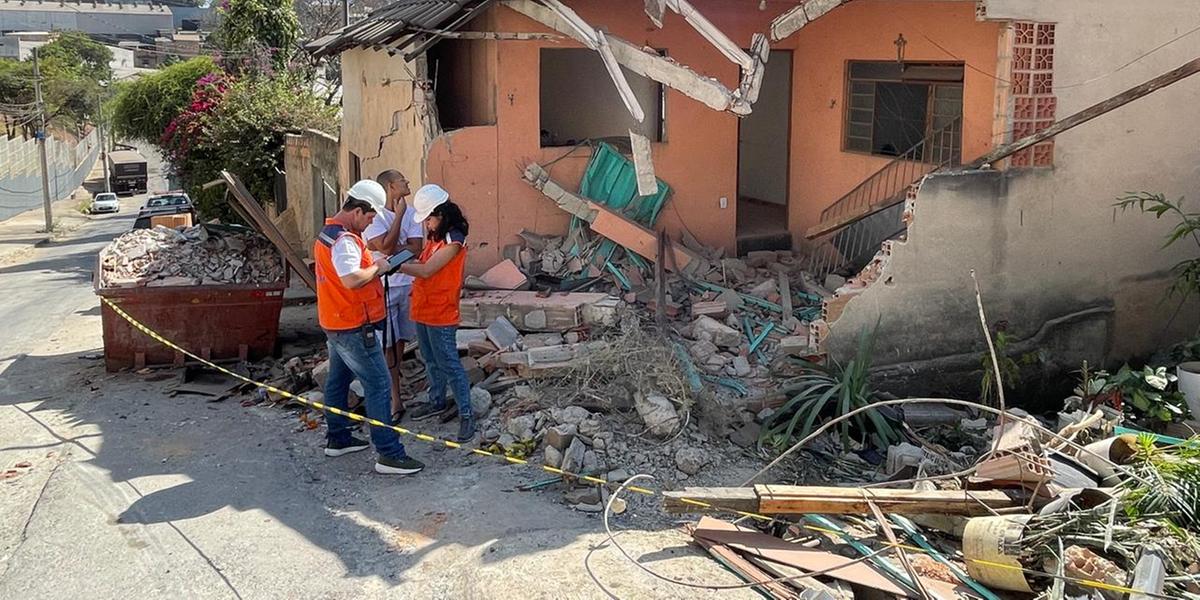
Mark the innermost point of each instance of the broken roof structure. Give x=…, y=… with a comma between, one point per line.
x=408, y=26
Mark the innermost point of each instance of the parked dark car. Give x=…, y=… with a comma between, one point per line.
x=170, y=203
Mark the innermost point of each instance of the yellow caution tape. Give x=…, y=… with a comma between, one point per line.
x=556, y=471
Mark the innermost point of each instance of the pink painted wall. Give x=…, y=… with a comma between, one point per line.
x=867, y=30
x=481, y=166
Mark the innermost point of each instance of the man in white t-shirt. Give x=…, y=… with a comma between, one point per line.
x=389, y=234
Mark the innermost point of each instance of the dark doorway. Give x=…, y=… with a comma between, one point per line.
x=763, y=161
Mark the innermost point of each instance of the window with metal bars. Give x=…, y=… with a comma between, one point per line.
x=892, y=107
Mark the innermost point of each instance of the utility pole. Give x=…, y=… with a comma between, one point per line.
x=100, y=131
x=41, y=140
x=345, y=12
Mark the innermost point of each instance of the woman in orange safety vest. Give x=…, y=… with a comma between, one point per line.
x=437, y=286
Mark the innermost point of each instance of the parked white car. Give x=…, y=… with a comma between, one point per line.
x=105, y=202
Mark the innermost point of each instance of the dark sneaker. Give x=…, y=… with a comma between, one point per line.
x=450, y=414
x=398, y=466
x=352, y=445
x=466, y=430
x=424, y=411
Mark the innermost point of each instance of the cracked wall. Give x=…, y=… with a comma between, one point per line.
x=388, y=119
x=310, y=159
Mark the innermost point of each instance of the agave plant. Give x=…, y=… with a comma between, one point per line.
x=831, y=391
x=1173, y=474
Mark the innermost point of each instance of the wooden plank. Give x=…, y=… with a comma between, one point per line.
x=788, y=499
x=636, y=238
x=752, y=543
x=263, y=224
x=791, y=500
x=1175, y=75
x=747, y=570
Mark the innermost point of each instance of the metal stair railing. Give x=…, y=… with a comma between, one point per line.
x=852, y=229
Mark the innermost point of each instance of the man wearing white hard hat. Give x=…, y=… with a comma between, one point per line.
x=394, y=229
x=350, y=308
x=437, y=285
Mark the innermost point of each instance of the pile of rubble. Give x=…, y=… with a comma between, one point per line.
x=199, y=255
x=1076, y=512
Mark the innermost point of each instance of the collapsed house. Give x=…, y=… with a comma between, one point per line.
x=838, y=129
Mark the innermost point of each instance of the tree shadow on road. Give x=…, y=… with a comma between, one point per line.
x=258, y=459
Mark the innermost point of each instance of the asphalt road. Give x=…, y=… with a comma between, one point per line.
x=111, y=487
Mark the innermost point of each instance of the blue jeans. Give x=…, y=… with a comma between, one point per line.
x=440, y=352
x=352, y=357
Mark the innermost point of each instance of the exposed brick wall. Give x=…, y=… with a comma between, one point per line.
x=1034, y=103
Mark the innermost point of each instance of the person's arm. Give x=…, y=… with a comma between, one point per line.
x=347, y=261
x=386, y=243
x=362, y=277
x=435, y=263
x=414, y=244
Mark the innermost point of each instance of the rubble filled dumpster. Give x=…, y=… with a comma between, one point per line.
x=215, y=290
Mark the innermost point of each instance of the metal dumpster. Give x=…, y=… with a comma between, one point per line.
x=217, y=322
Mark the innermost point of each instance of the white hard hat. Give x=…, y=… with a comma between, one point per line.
x=370, y=192
x=426, y=199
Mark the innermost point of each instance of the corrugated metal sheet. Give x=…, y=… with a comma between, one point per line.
x=400, y=25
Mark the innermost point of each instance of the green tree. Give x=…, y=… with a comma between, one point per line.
x=72, y=67
x=254, y=26
x=244, y=135
x=76, y=53
x=144, y=107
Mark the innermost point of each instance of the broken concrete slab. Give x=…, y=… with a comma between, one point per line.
x=655, y=9
x=505, y=275
x=551, y=356
x=521, y=427
x=614, y=71
x=572, y=458
x=741, y=366
x=542, y=340
x=643, y=164
x=551, y=456
x=765, y=289
x=669, y=73
x=702, y=350
x=795, y=19
x=709, y=329
x=535, y=320
x=571, y=415
x=563, y=311
x=691, y=460
x=658, y=413
x=794, y=345
x=464, y=337
x=502, y=333
x=560, y=436
x=539, y=178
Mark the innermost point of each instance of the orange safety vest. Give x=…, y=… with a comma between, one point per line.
x=435, y=298
x=340, y=308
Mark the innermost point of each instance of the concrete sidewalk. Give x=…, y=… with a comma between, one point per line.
x=21, y=234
